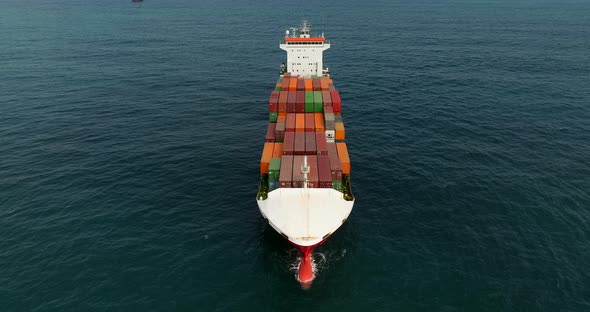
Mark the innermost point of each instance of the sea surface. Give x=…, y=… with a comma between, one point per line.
x=130, y=139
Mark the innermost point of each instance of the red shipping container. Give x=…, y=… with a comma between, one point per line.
x=283, y=95
x=286, y=173
x=280, y=131
x=299, y=146
x=328, y=109
x=324, y=172
x=270, y=132
x=321, y=144
x=316, y=84
x=309, y=122
x=335, y=166
x=312, y=176
x=336, y=102
x=300, y=102
x=310, y=146
x=300, y=84
x=273, y=102
x=288, y=143
x=297, y=176
x=285, y=84
x=290, y=123
x=291, y=100
x=327, y=99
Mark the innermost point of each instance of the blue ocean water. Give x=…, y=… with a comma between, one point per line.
x=131, y=134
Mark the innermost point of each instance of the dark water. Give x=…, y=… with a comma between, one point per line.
x=130, y=139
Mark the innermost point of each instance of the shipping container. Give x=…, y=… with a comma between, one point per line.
x=319, y=122
x=343, y=156
x=316, y=84
x=283, y=96
x=328, y=109
x=326, y=99
x=337, y=185
x=329, y=121
x=291, y=102
x=273, y=169
x=324, y=173
x=270, y=132
x=309, y=122
x=273, y=185
x=325, y=83
x=300, y=84
x=293, y=84
x=281, y=119
x=273, y=102
x=309, y=102
x=321, y=144
x=288, y=143
x=318, y=105
x=286, y=172
x=277, y=150
x=299, y=122
x=308, y=85
x=299, y=146
x=335, y=166
x=272, y=116
x=297, y=174
x=336, y=103
x=266, y=156
x=285, y=84
x=310, y=146
x=300, y=102
x=290, y=123
x=339, y=128
x=312, y=176
x=279, y=131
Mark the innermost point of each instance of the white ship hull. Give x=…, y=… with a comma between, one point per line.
x=305, y=216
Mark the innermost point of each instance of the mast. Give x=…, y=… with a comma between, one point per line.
x=305, y=170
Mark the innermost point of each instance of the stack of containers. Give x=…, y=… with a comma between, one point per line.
x=305, y=121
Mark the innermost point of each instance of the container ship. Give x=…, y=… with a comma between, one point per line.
x=305, y=190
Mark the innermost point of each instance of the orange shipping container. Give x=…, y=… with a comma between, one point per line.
x=308, y=85
x=266, y=156
x=299, y=122
x=343, y=156
x=324, y=84
x=319, y=122
x=339, y=127
x=281, y=119
x=277, y=151
x=293, y=85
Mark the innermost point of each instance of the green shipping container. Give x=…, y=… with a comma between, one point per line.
x=309, y=102
x=272, y=117
x=337, y=185
x=318, y=105
x=273, y=169
x=277, y=89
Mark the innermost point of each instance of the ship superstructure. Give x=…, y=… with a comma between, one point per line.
x=304, y=190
